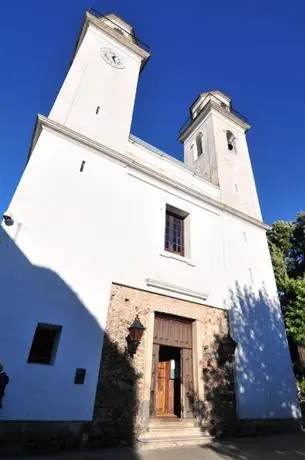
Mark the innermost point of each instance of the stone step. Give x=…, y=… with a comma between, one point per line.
x=169, y=432
x=171, y=422
x=165, y=443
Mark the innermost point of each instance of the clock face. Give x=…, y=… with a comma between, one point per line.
x=112, y=58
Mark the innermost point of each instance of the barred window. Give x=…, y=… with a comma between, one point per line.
x=174, y=233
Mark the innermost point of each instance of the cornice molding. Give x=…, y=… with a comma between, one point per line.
x=204, y=112
x=90, y=19
x=44, y=122
x=176, y=289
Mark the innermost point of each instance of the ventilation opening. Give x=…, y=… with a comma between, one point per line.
x=80, y=375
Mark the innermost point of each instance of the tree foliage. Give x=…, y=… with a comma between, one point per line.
x=298, y=247
x=295, y=310
x=280, y=235
x=287, y=248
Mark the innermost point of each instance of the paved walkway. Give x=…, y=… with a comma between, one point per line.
x=280, y=447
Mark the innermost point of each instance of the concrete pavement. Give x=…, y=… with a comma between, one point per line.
x=279, y=447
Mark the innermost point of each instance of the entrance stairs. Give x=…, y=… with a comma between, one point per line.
x=173, y=432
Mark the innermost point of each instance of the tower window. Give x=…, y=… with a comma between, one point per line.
x=45, y=343
x=230, y=141
x=199, y=144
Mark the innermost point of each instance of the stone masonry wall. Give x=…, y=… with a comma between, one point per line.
x=121, y=409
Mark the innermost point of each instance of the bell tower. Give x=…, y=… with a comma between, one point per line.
x=98, y=94
x=215, y=147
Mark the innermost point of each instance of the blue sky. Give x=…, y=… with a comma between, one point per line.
x=252, y=50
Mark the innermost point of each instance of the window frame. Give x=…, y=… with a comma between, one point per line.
x=198, y=141
x=173, y=215
x=231, y=140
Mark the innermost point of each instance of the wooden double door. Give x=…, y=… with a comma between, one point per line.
x=172, y=370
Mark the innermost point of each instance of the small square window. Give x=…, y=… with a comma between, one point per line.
x=45, y=343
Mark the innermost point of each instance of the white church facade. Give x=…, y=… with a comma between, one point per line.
x=104, y=229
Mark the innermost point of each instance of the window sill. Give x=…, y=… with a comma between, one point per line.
x=172, y=255
x=33, y=363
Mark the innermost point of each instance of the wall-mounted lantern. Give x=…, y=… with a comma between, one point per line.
x=134, y=337
x=226, y=348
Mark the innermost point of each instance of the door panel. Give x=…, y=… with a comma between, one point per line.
x=170, y=399
x=162, y=388
x=173, y=332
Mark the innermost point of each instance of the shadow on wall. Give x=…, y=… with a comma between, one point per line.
x=257, y=383
x=43, y=405
x=217, y=413
x=266, y=386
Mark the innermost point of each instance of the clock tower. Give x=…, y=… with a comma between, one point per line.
x=97, y=97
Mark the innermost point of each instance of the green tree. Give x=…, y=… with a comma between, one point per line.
x=287, y=248
x=295, y=310
x=280, y=235
x=279, y=239
x=297, y=250
x=279, y=268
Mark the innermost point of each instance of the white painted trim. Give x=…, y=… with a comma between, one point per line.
x=122, y=157
x=171, y=255
x=177, y=289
